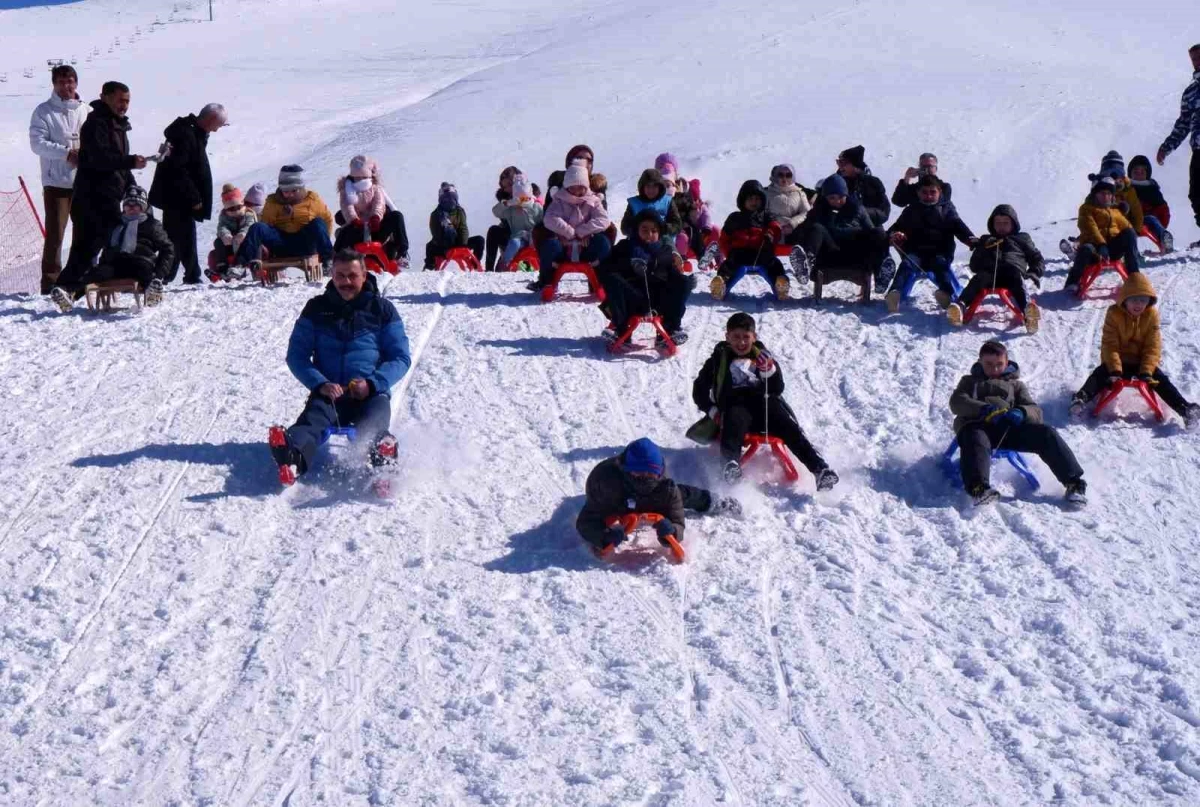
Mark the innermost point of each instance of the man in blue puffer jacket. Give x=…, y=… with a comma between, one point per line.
x=349, y=348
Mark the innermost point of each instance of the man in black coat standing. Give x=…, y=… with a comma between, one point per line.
x=182, y=187
x=105, y=172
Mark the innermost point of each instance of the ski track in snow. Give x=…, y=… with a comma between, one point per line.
x=175, y=630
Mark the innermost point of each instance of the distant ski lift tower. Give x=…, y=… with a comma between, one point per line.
x=53, y=63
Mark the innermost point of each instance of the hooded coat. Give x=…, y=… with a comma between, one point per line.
x=788, y=205
x=930, y=230
x=51, y=128
x=976, y=391
x=335, y=341
x=663, y=205
x=1098, y=224
x=105, y=165
x=659, y=256
x=712, y=386
x=611, y=492
x=1128, y=340
x=869, y=191
x=745, y=229
x=1149, y=193
x=1016, y=249
x=184, y=179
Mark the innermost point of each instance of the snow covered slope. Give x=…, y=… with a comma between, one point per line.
x=173, y=630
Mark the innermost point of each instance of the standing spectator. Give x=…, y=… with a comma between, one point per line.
x=863, y=186
x=104, y=172
x=906, y=189
x=54, y=138
x=182, y=186
x=1188, y=121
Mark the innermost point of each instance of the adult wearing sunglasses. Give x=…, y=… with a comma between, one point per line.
x=863, y=186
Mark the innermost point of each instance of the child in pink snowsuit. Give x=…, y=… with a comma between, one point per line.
x=576, y=220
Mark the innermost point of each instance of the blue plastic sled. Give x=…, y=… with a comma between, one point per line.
x=920, y=274
x=950, y=465
x=742, y=271
x=349, y=432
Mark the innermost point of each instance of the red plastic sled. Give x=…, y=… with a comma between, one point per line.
x=1142, y=387
x=650, y=319
x=633, y=521
x=1145, y=233
x=754, y=442
x=376, y=259
x=1096, y=269
x=573, y=268
x=463, y=256
x=527, y=255
x=1005, y=297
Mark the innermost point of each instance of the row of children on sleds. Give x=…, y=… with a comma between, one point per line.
x=740, y=389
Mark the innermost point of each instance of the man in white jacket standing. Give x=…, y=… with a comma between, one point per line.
x=54, y=138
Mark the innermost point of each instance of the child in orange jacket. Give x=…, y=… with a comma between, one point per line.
x=1104, y=232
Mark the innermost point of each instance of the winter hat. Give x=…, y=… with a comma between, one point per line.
x=362, y=167
x=667, y=165
x=694, y=190
x=1113, y=165
x=576, y=175
x=1143, y=161
x=598, y=183
x=855, y=155
x=521, y=186
x=835, y=186
x=257, y=195
x=643, y=456
x=291, y=177
x=579, y=151
x=231, y=196
x=136, y=194
x=447, y=195
x=1104, y=183
x=782, y=166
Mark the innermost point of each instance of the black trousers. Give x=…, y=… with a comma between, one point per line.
x=626, y=298
x=181, y=229
x=865, y=247
x=434, y=250
x=371, y=417
x=498, y=236
x=123, y=265
x=1194, y=185
x=1123, y=246
x=392, y=233
x=1165, y=389
x=752, y=256
x=977, y=440
x=1004, y=276
x=749, y=413
x=92, y=223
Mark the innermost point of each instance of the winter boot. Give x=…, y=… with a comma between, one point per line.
x=678, y=336
x=826, y=479
x=943, y=298
x=732, y=472
x=385, y=451
x=154, y=293
x=1077, y=492
x=285, y=456
x=257, y=272
x=887, y=271
x=609, y=335
x=725, y=506
x=983, y=494
x=61, y=299
x=1168, y=241
x=893, y=301
x=1191, y=416
x=718, y=288
x=783, y=287
x=1078, y=406
x=798, y=258
x=1033, y=317
x=1068, y=248
x=955, y=314
x=710, y=258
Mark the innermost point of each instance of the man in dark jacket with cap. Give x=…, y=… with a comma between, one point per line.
x=839, y=233
x=863, y=186
x=635, y=481
x=182, y=186
x=105, y=167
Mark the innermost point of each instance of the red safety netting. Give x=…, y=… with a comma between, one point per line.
x=21, y=241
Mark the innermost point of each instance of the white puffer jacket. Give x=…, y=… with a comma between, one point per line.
x=51, y=128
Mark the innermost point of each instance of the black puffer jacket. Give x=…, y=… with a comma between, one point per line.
x=610, y=492
x=713, y=388
x=869, y=191
x=153, y=248
x=105, y=164
x=1015, y=249
x=906, y=193
x=930, y=230
x=184, y=179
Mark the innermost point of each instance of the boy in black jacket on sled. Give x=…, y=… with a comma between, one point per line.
x=740, y=390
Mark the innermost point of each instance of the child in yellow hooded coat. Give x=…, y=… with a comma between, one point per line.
x=1104, y=232
x=1131, y=347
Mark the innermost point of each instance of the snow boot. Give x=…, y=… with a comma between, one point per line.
x=983, y=494
x=826, y=479
x=1077, y=492
x=798, y=258
x=732, y=472
x=955, y=315
x=385, y=451
x=783, y=288
x=710, y=258
x=61, y=299
x=725, y=506
x=1068, y=248
x=1078, y=406
x=1033, y=317
x=154, y=293
x=678, y=336
x=943, y=298
x=893, y=301
x=285, y=456
x=717, y=288
x=1191, y=416
x=609, y=335
x=887, y=271
x=1168, y=241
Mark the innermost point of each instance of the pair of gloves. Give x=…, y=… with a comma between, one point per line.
x=374, y=223
x=616, y=533
x=1004, y=415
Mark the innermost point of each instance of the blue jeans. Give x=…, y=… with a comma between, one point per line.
x=514, y=246
x=371, y=417
x=312, y=239
x=552, y=251
x=938, y=266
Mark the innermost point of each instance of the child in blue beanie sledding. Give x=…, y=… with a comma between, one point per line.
x=635, y=481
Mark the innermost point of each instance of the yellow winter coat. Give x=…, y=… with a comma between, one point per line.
x=1099, y=224
x=309, y=208
x=1130, y=340
x=1128, y=194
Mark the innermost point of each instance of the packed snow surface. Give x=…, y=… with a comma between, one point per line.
x=174, y=630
